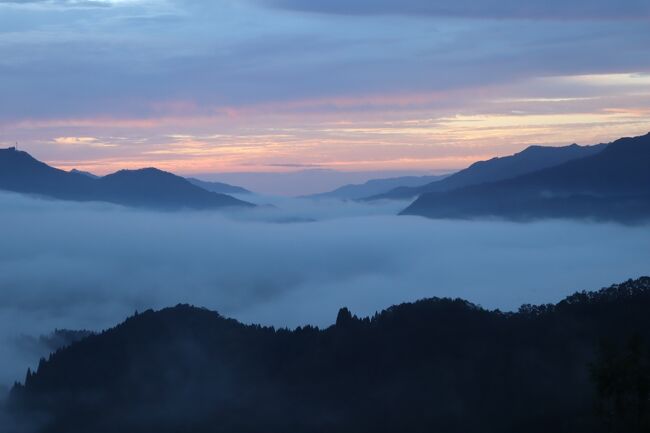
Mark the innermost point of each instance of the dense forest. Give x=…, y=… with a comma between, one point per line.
x=437, y=365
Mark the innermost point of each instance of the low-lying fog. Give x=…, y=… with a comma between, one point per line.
x=88, y=266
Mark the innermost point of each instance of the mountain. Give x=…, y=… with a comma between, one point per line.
x=86, y=173
x=291, y=180
x=529, y=160
x=613, y=184
x=375, y=187
x=434, y=365
x=20, y=172
x=218, y=187
x=149, y=188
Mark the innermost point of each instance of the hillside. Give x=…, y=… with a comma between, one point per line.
x=433, y=365
x=154, y=188
x=529, y=160
x=218, y=187
x=148, y=188
x=375, y=187
x=611, y=185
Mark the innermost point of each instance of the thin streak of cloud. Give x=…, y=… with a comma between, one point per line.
x=549, y=9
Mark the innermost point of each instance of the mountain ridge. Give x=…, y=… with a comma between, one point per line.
x=531, y=159
x=149, y=187
x=374, y=187
x=218, y=187
x=613, y=184
x=413, y=367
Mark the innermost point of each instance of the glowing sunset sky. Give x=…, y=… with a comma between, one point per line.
x=204, y=86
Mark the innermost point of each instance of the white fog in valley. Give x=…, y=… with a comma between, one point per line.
x=89, y=266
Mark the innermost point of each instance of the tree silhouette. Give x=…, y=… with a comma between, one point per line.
x=622, y=376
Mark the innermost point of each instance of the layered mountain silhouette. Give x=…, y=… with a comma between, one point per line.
x=149, y=187
x=218, y=187
x=529, y=160
x=434, y=365
x=87, y=173
x=613, y=184
x=375, y=187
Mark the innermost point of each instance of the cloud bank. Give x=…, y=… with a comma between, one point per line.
x=71, y=266
x=556, y=9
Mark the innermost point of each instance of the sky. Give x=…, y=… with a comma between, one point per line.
x=364, y=86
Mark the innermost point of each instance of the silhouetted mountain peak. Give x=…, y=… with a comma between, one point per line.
x=626, y=145
x=147, y=187
x=12, y=150
x=530, y=149
x=146, y=171
x=374, y=187
x=537, y=150
x=15, y=155
x=344, y=317
x=149, y=176
x=189, y=315
x=610, y=184
x=218, y=187
x=85, y=173
x=529, y=160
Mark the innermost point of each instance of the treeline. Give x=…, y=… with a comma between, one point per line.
x=437, y=365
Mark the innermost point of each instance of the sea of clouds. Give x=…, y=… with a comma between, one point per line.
x=294, y=262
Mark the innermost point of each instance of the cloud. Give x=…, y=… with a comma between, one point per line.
x=75, y=140
x=294, y=165
x=65, y=3
x=550, y=9
x=106, y=65
x=88, y=266
x=82, y=141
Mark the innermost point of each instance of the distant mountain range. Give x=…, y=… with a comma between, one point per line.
x=529, y=160
x=85, y=173
x=375, y=187
x=148, y=187
x=294, y=181
x=434, y=365
x=612, y=184
x=218, y=187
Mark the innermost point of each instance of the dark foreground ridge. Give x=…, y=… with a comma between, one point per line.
x=145, y=188
x=436, y=365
